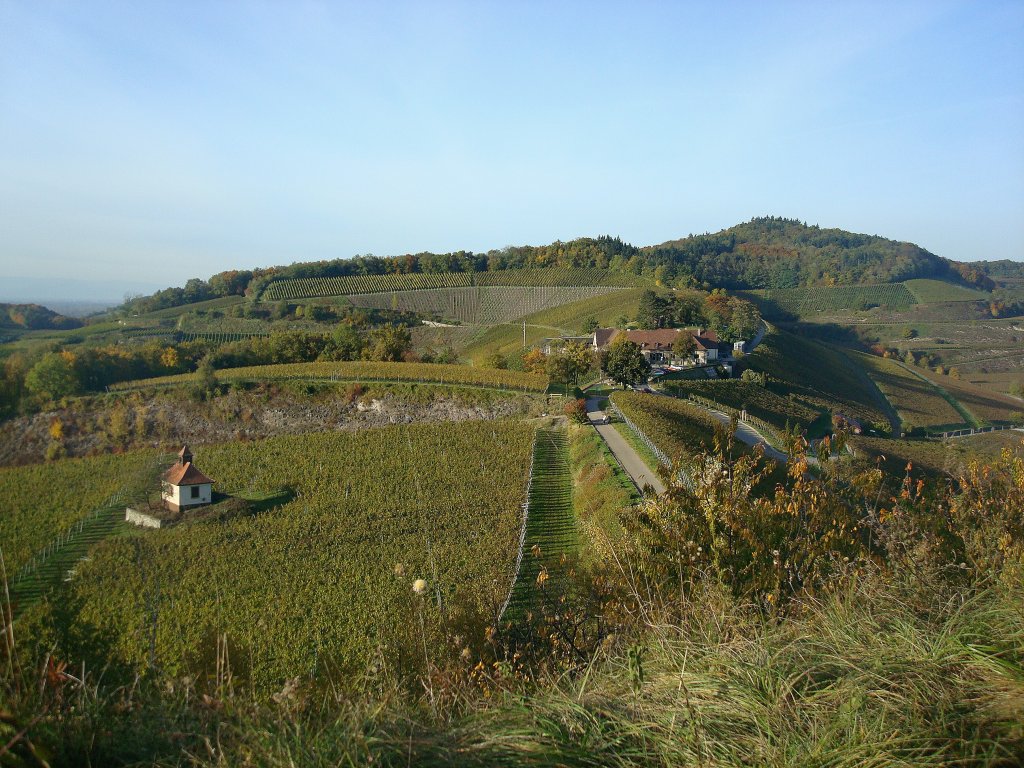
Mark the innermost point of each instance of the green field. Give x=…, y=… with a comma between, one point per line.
x=932, y=291
x=325, y=581
x=550, y=529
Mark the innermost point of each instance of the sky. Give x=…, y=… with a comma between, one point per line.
x=144, y=143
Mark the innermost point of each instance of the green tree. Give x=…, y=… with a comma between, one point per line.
x=684, y=346
x=346, y=343
x=745, y=320
x=495, y=360
x=389, y=344
x=205, y=384
x=53, y=377
x=650, y=311
x=559, y=368
x=626, y=364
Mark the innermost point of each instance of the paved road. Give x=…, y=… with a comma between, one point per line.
x=630, y=460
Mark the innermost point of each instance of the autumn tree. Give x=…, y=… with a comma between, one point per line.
x=534, y=361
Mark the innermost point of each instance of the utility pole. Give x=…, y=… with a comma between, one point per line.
x=524, y=334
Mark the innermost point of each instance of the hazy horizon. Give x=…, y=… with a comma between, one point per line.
x=142, y=145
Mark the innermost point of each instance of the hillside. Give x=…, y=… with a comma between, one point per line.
x=772, y=252
x=30, y=317
x=765, y=252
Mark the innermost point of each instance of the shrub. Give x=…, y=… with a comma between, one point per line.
x=576, y=410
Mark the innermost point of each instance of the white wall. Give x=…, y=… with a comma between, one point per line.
x=181, y=495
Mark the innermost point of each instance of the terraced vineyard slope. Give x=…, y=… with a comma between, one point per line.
x=803, y=302
x=918, y=402
x=819, y=376
x=307, y=288
x=486, y=305
x=326, y=579
x=434, y=373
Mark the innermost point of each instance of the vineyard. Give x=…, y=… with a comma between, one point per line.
x=674, y=426
x=315, y=287
x=756, y=400
x=919, y=404
x=933, y=291
x=981, y=403
x=432, y=373
x=551, y=526
x=779, y=302
x=507, y=339
x=482, y=305
x=324, y=582
x=818, y=374
x=215, y=337
x=928, y=457
x=41, y=501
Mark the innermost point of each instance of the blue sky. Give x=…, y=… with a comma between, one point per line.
x=148, y=142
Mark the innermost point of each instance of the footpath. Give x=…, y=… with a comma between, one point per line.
x=626, y=455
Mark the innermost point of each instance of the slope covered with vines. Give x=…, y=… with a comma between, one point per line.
x=327, y=579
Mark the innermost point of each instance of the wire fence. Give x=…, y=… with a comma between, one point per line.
x=522, y=530
x=85, y=529
x=658, y=453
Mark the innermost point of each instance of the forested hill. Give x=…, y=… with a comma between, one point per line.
x=768, y=252
x=34, y=317
x=773, y=252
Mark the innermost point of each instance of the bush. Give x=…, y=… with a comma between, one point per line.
x=576, y=410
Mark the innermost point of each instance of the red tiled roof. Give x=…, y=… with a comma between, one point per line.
x=185, y=474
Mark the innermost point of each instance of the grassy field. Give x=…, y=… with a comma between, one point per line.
x=601, y=490
x=919, y=403
x=984, y=404
x=325, y=580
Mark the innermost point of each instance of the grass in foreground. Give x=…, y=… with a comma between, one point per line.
x=870, y=675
